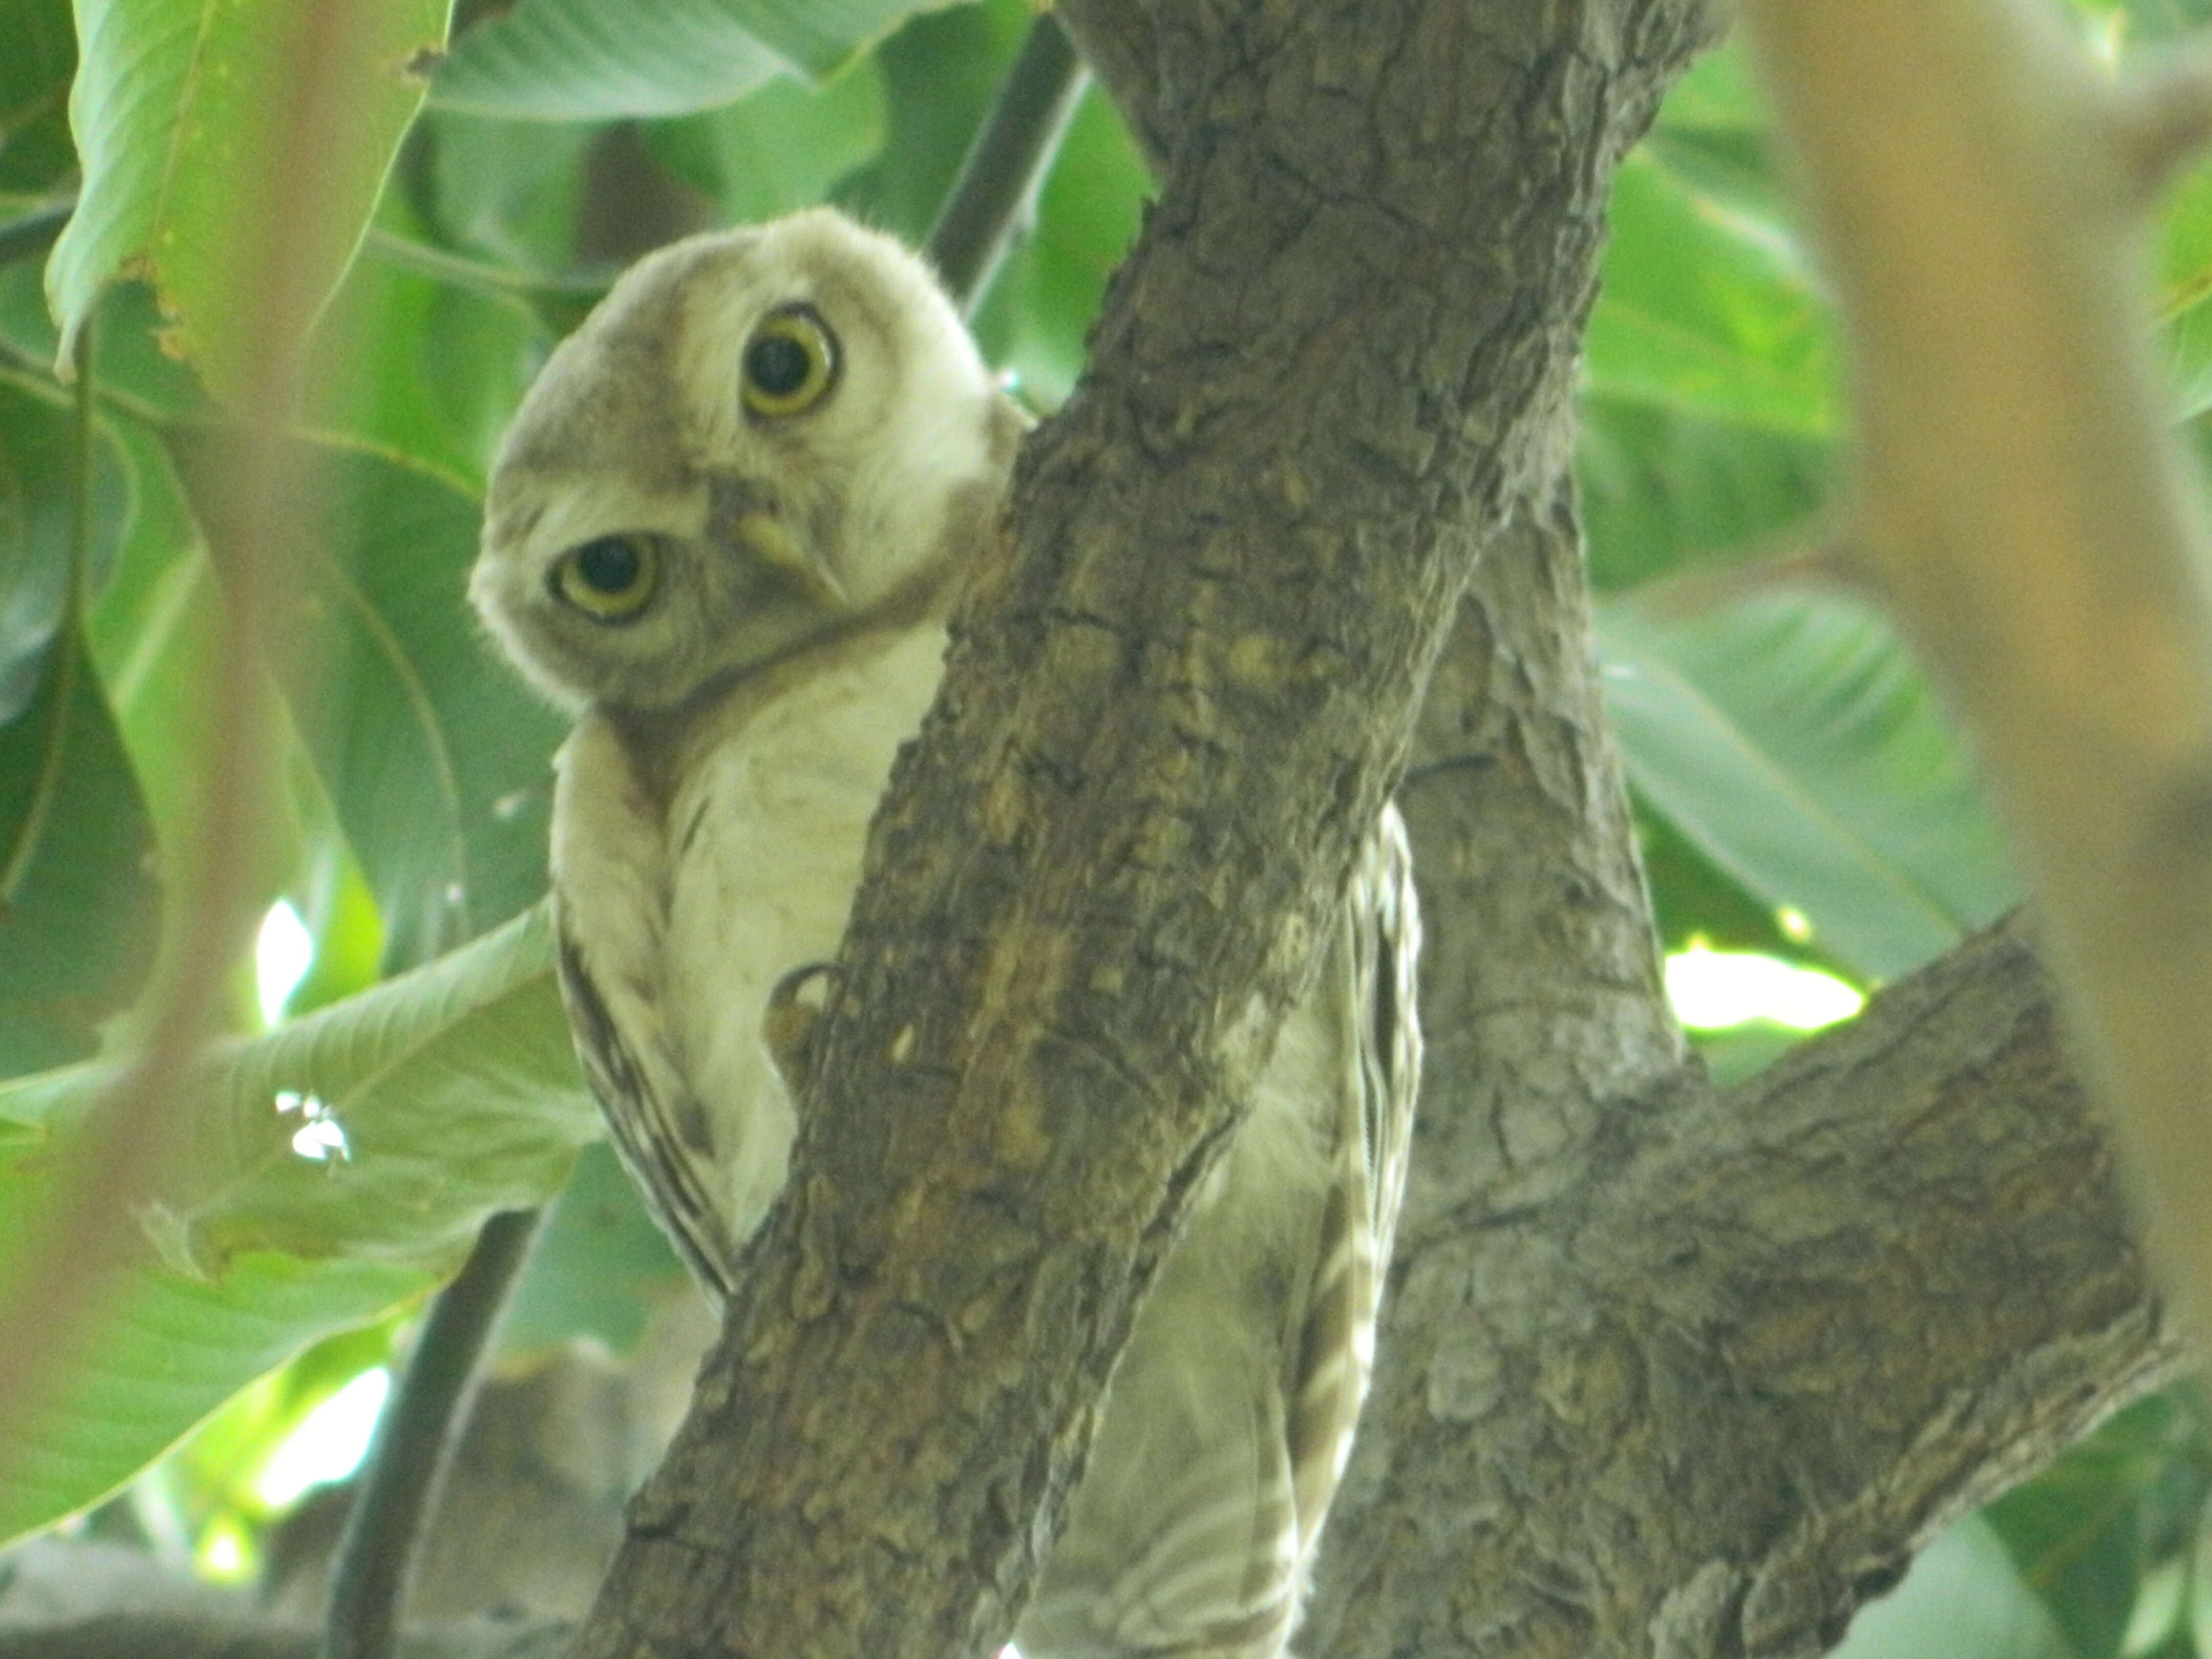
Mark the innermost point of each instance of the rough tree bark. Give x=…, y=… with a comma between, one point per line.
x=1670, y=1373
x=1341, y=353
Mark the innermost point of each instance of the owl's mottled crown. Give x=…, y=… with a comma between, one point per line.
x=759, y=438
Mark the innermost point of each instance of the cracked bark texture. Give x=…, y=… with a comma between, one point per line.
x=1666, y=1371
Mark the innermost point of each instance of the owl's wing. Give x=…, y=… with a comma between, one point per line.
x=1374, y=978
x=643, y=1106
x=606, y=883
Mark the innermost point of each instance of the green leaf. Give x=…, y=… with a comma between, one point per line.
x=1789, y=741
x=778, y=149
x=425, y=369
x=1711, y=133
x=586, y=60
x=155, y=1353
x=574, y=60
x=1703, y=313
x=600, y=1266
x=35, y=153
x=1961, y=1600
x=2185, y=291
x=1665, y=492
x=1691, y=897
x=434, y=754
x=820, y=35
x=37, y=451
x=454, y=1088
x=134, y=373
x=457, y=1092
x=182, y=112
x=2077, y=1532
x=75, y=944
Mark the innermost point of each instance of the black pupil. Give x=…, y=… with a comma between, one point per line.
x=608, y=565
x=777, y=364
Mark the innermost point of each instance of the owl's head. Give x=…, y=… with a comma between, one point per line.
x=760, y=438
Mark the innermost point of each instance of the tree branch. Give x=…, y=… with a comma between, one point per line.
x=1670, y=1373
x=996, y=192
x=416, y=1439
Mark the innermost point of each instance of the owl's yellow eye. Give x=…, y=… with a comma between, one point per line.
x=611, y=578
x=790, y=362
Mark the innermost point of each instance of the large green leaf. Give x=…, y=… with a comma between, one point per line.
x=434, y=754
x=78, y=931
x=1665, y=492
x=37, y=508
x=1708, y=411
x=423, y=366
x=153, y=1353
x=1790, y=741
x=1713, y=133
x=134, y=373
x=509, y=191
x=454, y=1090
x=2185, y=291
x=457, y=1094
x=570, y=60
x=1703, y=313
x=778, y=149
x=182, y=111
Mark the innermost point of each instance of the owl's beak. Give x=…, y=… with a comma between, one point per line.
x=765, y=534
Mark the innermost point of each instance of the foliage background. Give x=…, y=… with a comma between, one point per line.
x=1798, y=791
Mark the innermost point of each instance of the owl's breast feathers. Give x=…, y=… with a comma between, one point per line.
x=696, y=861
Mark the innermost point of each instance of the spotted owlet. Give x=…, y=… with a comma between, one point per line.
x=725, y=530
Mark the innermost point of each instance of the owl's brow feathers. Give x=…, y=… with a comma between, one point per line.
x=643, y=342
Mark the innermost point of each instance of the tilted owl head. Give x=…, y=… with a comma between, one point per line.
x=760, y=438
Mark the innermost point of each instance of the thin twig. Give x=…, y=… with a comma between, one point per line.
x=414, y=1445
x=996, y=192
